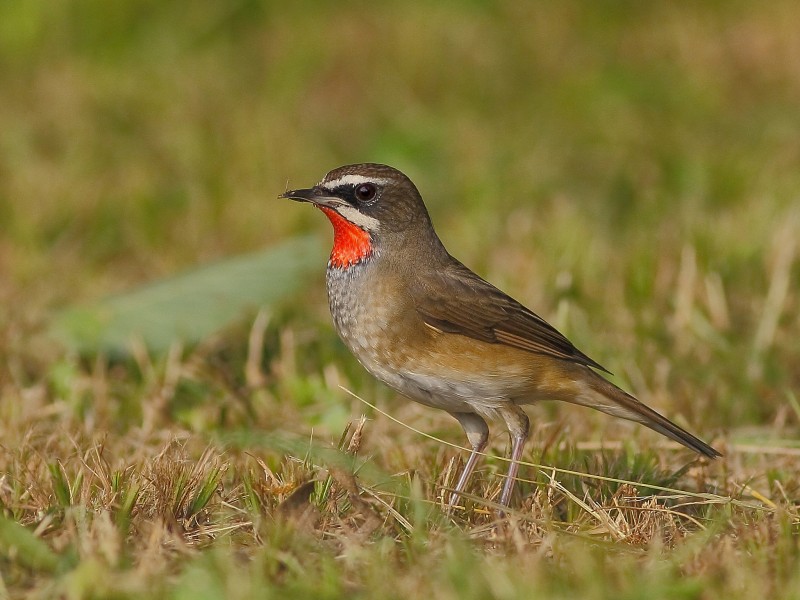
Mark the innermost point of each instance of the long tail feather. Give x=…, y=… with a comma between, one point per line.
x=627, y=407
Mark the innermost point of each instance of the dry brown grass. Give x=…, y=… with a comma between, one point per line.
x=135, y=505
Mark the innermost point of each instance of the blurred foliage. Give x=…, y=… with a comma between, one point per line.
x=581, y=155
x=627, y=169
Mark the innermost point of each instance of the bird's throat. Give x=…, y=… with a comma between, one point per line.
x=351, y=244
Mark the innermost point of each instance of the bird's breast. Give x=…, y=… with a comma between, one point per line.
x=368, y=313
x=377, y=321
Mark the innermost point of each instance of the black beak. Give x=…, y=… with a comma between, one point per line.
x=299, y=195
x=315, y=195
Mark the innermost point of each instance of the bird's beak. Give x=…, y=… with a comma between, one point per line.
x=314, y=195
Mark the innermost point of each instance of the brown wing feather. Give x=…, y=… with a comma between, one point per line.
x=475, y=308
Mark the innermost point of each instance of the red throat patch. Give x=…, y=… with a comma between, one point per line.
x=351, y=244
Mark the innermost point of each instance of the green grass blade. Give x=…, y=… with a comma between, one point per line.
x=207, y=489
x=60, y=485
x=125, y=512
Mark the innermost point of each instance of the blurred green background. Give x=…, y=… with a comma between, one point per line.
x=628, y=169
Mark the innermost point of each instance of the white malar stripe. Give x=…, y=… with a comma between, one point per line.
x=358, y=218
x=352, y=180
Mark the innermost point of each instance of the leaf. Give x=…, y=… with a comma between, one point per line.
x=316, y=453
x=191, y=306
x=20, y=545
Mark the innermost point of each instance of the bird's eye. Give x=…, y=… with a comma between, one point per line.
x=365, y=192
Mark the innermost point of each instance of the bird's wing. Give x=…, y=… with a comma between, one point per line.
x=475, y=308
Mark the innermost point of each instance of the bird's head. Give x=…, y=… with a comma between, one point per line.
x=369, y=205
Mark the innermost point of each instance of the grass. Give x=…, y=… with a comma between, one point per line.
x=629, y=170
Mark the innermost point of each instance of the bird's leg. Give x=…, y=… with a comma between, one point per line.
x=518, y=425
x=478, y=434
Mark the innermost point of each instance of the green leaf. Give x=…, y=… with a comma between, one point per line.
x=316, y=453
x=191, y=306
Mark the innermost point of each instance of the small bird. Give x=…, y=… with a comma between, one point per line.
x=427, y=326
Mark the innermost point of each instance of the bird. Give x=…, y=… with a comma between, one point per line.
x=430, y=328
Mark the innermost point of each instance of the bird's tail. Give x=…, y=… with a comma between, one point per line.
x=608, y=398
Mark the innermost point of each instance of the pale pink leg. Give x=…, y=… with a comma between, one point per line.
x=518, y=424
x=517, y=444
x=478, y=435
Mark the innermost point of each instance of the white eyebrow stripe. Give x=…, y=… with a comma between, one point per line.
x=356, y=217
x=352, y=180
